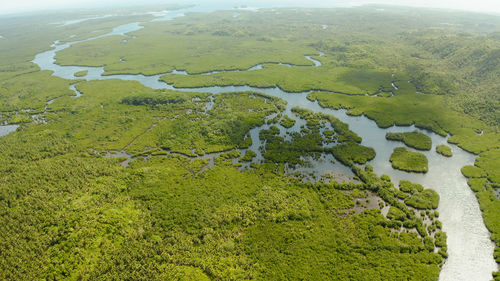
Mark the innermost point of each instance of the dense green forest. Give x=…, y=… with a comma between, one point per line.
x=185, y=198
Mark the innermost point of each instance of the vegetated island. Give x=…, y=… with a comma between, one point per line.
x=409, y=161
x=413, y=139
x=444, y=150
x=81, y=73
x=287, y=122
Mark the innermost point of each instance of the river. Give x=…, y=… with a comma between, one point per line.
x=469, y=247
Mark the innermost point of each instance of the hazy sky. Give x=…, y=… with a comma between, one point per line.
x=9, y=6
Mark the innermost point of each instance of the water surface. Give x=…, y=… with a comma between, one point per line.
x=7, y=129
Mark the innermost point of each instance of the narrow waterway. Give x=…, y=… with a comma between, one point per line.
x=469, y=247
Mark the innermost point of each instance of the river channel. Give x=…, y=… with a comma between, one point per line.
x=469, y=247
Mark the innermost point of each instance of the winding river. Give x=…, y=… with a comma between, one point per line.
x=469, y=247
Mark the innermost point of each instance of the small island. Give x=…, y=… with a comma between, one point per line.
x=81, y=73
x=409, y=161
x=349, y=153
x=413, y=139
x=444, y=150
x=287, y=122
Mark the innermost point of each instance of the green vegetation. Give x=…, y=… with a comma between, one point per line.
x=418, y=197
x=219, y=41
x=81, y=73
x=248, y=157
x=31, y=91
x=280, y=151
x=425, y=111
x=409, y=161
x=298, y=79
x=175, y=216
x=314, y=121
x=309, y=141
x=409, y=187
x=427, y=199
x=489, y=161
x=151, y=120
x=473, y=172
x=350, y=153
x=414, y=139
x=287, y=122
x=101, y=221
x=444, y=150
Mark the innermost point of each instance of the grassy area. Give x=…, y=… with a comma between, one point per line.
x=409, y=161
x=489, y=161
x=81, y=73
x=414, y=139
x=473, y=172
x=292, y=79
x=444, y=150
x=31, y=91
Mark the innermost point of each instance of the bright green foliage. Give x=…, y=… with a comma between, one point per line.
x=298, y=79
x=440, y=239
x=350, y=153
x=396, y=214
x=160, y=119
x=409, y=187
x=68, y=213
x=444, y=150
x=410, y=161
x=456, y=60
x=287, y=122
x=314, y=121
x=278, y=150
x=81, y=73
x=478, y=184
x=418, y=197
x=32, y=91
x=415, y=139
x=472, y=172
x=489, y=161
x=231, y=155
x=96, y=220
x=425, y=111
x=427, y=199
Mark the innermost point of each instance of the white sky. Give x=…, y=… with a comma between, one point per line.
x=10, y=6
